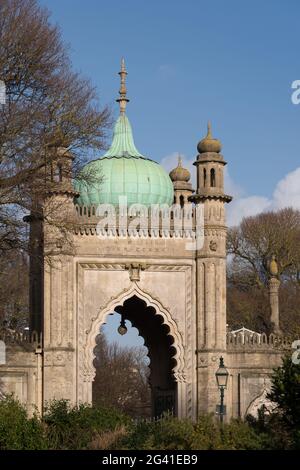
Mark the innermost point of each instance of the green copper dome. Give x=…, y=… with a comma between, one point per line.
x=124, y=171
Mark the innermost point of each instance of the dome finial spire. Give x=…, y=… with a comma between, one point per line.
x=209, y=130
x=123, y=100
x=209, y=144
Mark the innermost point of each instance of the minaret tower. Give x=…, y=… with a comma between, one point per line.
x=210, y=170
x=211, y=266
x=180, y=177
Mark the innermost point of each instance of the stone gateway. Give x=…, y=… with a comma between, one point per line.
x=160, y=266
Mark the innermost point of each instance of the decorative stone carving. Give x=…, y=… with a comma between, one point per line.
x=101, y=266
x=134, y=270
x=213, y=245
x=259, y=402
x=88, y=375
x=179, y=377
x=202, y=361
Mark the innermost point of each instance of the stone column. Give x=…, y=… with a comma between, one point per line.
x=39, y=380
x=274, y=284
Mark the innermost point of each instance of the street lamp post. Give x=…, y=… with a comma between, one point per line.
x=222, y=378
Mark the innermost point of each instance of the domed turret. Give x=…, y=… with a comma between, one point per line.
x=179, y=173
x=210, y=170
x=208, y=144
x=181, y=182
x=123, y=170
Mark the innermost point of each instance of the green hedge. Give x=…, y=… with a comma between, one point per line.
x=17, y=431
x=206, y=434
x=75, y=428
x=62, y=427
x=86, y=427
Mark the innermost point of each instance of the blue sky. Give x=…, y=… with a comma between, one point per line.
x=232, y=62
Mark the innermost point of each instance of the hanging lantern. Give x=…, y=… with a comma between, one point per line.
x=122, y=330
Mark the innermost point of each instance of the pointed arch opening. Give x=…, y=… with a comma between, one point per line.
x=162, y=339
x=122, y=368
x=212, y=178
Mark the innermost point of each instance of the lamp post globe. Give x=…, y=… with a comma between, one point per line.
x=222, y=379
x=222, y=374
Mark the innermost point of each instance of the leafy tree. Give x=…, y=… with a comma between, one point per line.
x=285, y=392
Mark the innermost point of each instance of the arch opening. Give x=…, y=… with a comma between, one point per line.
x=161, y=353
x=212, y=178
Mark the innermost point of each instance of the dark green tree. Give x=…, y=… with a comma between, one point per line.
x=285, y=392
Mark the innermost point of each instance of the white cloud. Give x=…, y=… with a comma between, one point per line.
x=246, y=207
x=286, y=192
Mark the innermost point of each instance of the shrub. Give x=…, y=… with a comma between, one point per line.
x=138, y=436
x=238, y=435
x=70, y=427
x=108, y=439
x=206, y=434
x=17, y=430
x=165, y=433
x=85, y=427
x=172, y=433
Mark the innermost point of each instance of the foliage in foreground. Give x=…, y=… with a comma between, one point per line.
x=206, y=434
x=66, y=427
x=69, y=427
x=62, y=427
x=17, y=431
x=86, y=427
